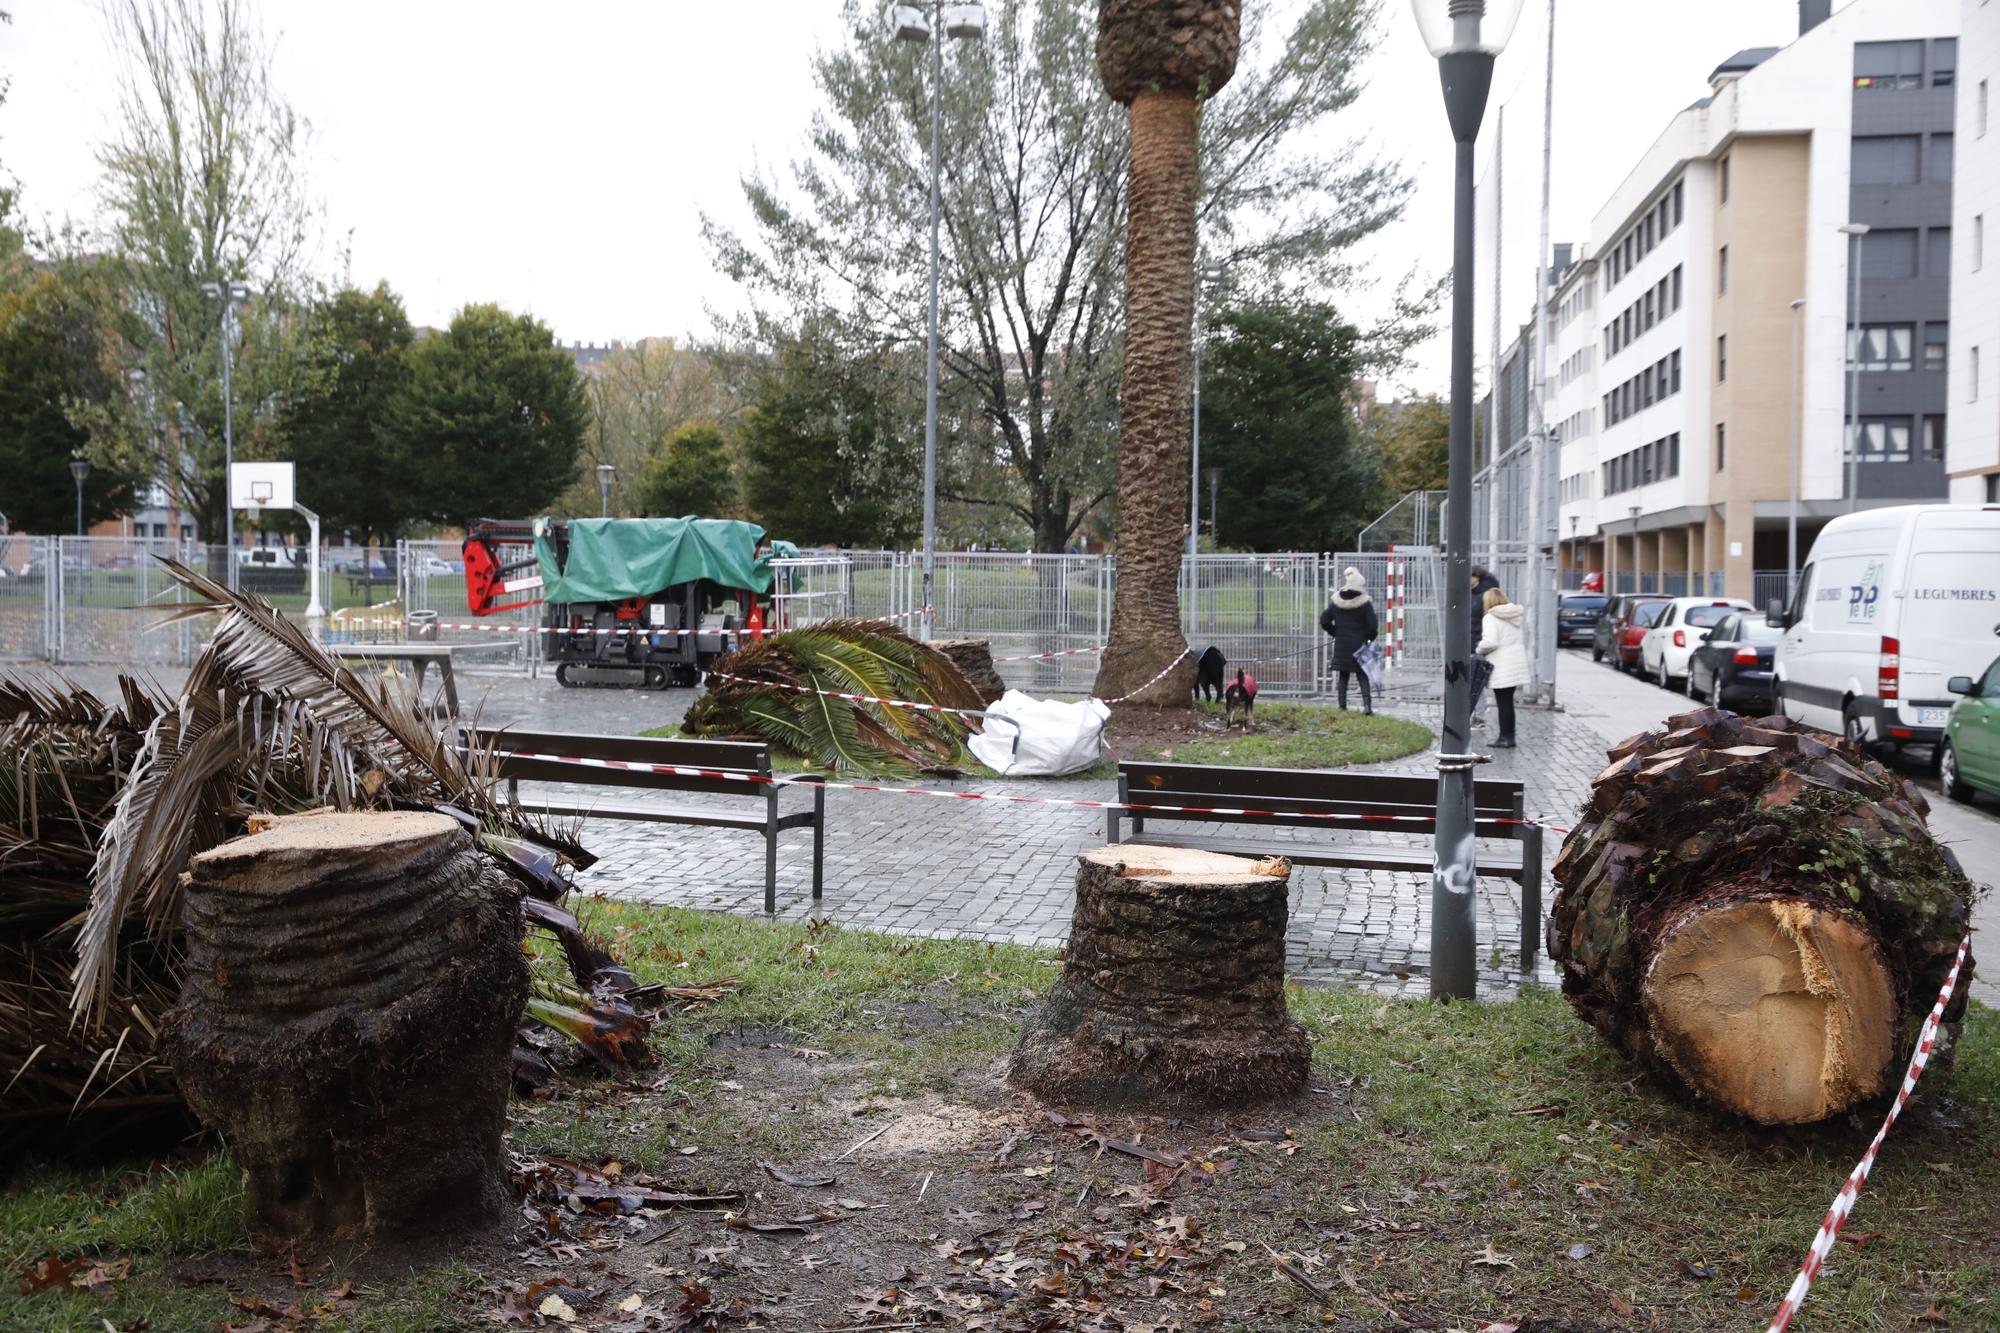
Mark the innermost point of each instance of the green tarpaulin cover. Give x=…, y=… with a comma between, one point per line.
x=614, y=558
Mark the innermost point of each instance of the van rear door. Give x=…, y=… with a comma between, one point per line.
x=1949, y=621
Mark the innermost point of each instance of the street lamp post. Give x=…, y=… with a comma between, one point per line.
x=230, y=294
x=1854, y=231
x=913, y=24
x=1575, y=554
x=1465, y=36
x=79, y=467
x=1792, y=512
x=605, y=471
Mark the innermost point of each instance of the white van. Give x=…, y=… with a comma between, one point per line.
x=1892, y=604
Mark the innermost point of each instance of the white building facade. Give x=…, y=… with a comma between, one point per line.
x=1972, y=455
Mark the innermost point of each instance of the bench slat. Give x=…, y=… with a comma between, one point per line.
x=1154, y=781
x=635, y=810
x=1503, y=862
x=728, y=756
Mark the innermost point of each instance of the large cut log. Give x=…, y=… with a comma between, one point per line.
x=974, y=660
x=347, y=1021
x=1172, y=994
x=1756, y=911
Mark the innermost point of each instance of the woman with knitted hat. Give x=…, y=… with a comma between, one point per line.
x=1350, y=618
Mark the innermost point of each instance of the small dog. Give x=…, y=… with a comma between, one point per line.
x=1242, y=693
x=1208, y=669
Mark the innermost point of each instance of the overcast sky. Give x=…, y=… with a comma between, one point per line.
x=557, y=158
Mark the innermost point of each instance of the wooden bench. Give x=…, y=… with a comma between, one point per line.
x=510, y=746
x=1336, y=803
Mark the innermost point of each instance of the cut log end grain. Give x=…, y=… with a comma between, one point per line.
x=1172, y=995
x=1782, y=1011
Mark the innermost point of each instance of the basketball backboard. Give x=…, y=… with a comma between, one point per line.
x=260, y=486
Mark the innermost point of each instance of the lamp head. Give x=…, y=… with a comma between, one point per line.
x=909, y=23
x=604, y=471
x=1463, y=27
x=79, y=467
x=1853, y=229
x=965, y=22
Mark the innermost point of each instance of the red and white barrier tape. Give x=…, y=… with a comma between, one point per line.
x=1133, y=694
x=629, y=627
x=1843, y=1202
x=1038, y=657
x=727, y=775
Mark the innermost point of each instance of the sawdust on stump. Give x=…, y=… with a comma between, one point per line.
x=1172, y=994
x=347, y=1021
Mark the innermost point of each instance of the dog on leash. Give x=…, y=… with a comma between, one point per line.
x=1242, y=693
x=1208, y=669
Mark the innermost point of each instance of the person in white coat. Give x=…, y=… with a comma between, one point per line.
x=1503, y=644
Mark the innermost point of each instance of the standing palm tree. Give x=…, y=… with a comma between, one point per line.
x=1158, y=58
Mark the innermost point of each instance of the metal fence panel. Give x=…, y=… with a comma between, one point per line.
x=108, y=592
x=27, y=597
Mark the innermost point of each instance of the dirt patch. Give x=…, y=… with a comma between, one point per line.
x=1134, y=732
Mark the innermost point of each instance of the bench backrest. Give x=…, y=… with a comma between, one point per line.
x=1345, y=799
x=728, y=756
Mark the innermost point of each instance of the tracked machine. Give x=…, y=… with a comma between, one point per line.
x=628, y=602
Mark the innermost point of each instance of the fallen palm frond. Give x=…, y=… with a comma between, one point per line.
x=781, y=690
x=102, y=806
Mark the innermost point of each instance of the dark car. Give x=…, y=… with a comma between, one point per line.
x=1576, y=617
x=1732, y=668
x=1624, y=622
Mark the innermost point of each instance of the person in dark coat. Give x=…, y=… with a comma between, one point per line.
x=1350, y=618
x=1482, y=670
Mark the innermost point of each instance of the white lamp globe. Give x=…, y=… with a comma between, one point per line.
x=1461, y=27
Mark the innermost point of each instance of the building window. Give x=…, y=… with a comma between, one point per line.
x=1722, y=271
x=1937, y=259
x=1979, y=120
x=1978, y=240
x=1885, y=159
x=1678, y=200
x=1675, y=362
x=1889, y=253
x=1972, y=375
x=1722, y=358
x=1649, y=308
x=1934, y=439
x=1993, y=488
x=1879, y=66
x=1944, y=62
x=1941, y=157
x=1721, y=445
x=1722, y=172
x=1937, y=346
x=1883, y=440
x=1881, y=346
x=1677, y=286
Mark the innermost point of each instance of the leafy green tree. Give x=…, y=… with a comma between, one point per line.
x=639, y=395
x=202, y=184
x=493, y=414
x=693, y=475
x=1414, y=440
x=351, y=460
x=52, y=359
x=829, y=457
x=1278, y=420
x=1033, y=206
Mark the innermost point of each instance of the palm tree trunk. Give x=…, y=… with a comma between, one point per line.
x=1154, y=405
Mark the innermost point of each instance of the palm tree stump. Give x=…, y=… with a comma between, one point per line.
x=347, y=1021
x=1756, y=912
x=974, y=660
x=1172, y=995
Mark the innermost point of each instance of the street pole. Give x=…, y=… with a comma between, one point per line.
x=1467, y=78
x=1792, y=514
x=929, y=614
x=228, y=440
x=1194, y=471
x=1854, y=231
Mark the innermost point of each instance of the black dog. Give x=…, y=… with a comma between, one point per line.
x=1208, y=669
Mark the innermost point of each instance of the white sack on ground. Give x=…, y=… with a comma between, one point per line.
x=1055, y=738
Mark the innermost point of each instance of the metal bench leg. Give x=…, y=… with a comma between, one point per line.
x=819, y=838
x=771, y=852
x=1531, y=895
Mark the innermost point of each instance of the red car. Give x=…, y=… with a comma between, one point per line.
x=1629, y=621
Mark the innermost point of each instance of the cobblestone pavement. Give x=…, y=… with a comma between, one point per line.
x=933, y=867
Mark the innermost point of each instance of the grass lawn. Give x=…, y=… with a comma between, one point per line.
x=1455, y=1165
x=1285, y=735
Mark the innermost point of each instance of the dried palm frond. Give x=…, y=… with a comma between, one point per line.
x=785, y=697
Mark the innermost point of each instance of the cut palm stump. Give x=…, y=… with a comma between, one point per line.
x=347, y=1021
x=1172, y=993
x=1756, y=911
x=974, y=660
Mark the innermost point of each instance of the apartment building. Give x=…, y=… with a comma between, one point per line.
x=1972, y=443
x=1678, y=394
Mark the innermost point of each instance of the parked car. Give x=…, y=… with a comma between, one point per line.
x=1732, y=668
x=1969, y=754
x=1619, y=629
x=1892, y=604
x=1576, y=617
x=380, y=571
x=1679, y=629
x=434, y=566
